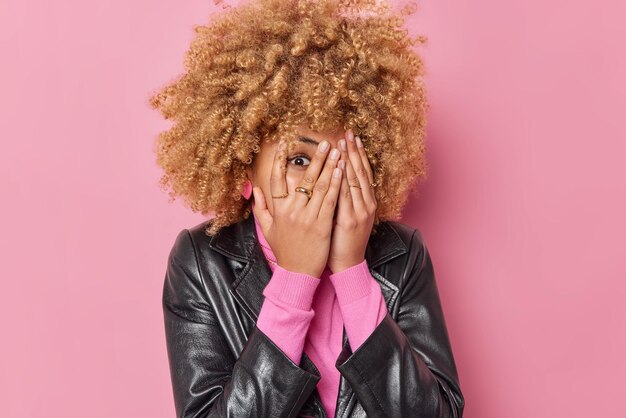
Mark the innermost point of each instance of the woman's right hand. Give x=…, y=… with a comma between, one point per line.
x=299, y=230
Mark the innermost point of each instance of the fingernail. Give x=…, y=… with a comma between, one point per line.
x=342, y=164
x=350, y=136
x=334, y=154
x=358, y=142
x=337, y=172
x=281, y=145
x=342, y=144
x=323, y=146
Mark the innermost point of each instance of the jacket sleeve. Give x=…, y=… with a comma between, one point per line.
x=406, y=367
x=360, y=300
x=207, y=379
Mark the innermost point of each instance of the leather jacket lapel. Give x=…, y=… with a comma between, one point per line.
x=239, y=242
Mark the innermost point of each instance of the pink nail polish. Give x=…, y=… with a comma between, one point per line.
x=358, y=142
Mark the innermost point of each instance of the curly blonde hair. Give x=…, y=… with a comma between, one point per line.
x=265, y=67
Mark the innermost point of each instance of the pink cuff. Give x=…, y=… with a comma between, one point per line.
x=353, y=283
x=361, y=302
x=286, y=313
x=286, y=326
x=292, y=288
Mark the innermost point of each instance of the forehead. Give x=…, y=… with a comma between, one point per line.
x=307, y=139
x=312, y=138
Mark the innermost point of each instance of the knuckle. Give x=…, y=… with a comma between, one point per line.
x=323, y=232
x=308, y=179
x=304, y=219
x=294, y=222
x=321, y=187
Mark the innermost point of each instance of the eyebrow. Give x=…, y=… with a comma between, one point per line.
x=308, y=140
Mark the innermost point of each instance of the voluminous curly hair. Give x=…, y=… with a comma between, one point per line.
x=261, y=69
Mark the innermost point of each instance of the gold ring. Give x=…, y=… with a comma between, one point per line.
x=281, y=196
x=304, y=190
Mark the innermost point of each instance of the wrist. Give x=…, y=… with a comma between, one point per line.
x=338, y=268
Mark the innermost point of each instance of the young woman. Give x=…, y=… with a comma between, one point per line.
x=300, y=124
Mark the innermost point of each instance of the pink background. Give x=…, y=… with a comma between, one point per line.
x=523, y=210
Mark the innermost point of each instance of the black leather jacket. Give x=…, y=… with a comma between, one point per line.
x=222, y=365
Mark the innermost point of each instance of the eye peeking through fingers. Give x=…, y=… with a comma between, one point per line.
x=299, y=160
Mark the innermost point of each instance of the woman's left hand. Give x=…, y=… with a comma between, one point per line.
x=356, y=208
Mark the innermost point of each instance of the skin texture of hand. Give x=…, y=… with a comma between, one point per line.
x=299, y=229
x=356, y=207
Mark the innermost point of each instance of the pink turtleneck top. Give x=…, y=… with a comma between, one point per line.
x=306, y=313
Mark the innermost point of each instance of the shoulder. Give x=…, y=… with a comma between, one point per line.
x=189, y=242
x=408, y=245
x=411, y=237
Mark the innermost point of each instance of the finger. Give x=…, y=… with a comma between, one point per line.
x=278, y=180
x=355, y=193
x=312, y=173
x=353, y=180
x=323, y=183
x=329, y=203
x=359, y=169
x=368, y=168
x=345, y=196
x=365, y=159
x=259, y=208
